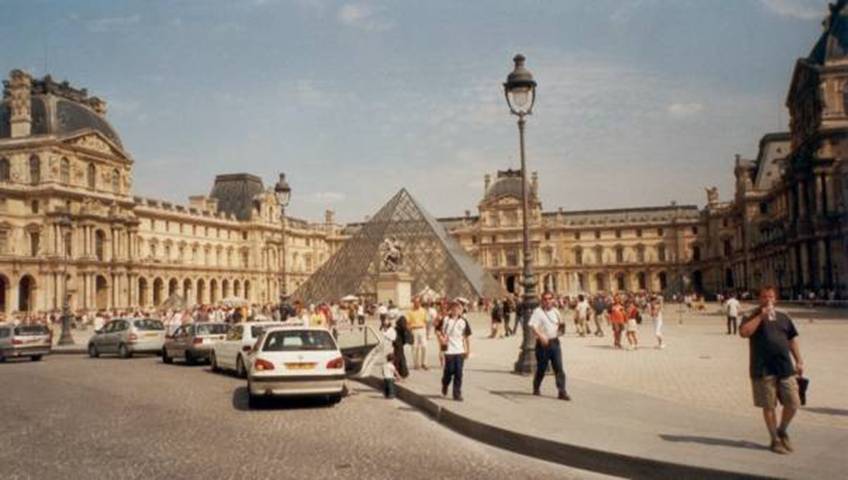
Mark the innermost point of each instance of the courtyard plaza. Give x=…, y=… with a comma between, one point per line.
x=689, y=403
x=70, y=417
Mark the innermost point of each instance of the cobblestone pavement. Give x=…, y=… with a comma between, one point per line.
x=71, y=417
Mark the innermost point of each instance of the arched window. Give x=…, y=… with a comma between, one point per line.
x=91, y=176
x=34, y=170
x=65, y=171
x=5, y=171
x=116, y=180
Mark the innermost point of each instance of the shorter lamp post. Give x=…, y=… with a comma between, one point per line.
x=65, y=338
x=520, y=93
x=282, y=191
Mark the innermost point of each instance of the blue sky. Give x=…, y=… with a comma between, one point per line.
x=640, y=102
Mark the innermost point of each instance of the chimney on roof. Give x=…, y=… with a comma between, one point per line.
x=20, y=106
x=534, y=184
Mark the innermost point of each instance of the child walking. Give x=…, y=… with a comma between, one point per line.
x=390, y=374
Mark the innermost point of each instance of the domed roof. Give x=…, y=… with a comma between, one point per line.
x=833, y=43
x=59, y=109
x=507, y=183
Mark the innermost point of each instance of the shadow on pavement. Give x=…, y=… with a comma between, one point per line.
x=722, y=442
x=827, y=411
x=240, y=402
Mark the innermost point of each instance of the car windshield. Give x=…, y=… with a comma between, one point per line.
x=256, y=330
x=211, y=329
x=294, y=340
x=149, y=324
x=25, y=330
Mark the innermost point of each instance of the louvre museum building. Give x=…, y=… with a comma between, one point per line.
x=72, y=227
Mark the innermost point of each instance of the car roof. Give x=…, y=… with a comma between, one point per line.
x=261, y=323
x=295, y=327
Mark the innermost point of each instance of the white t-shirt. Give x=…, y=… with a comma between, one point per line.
x=546, y=321
x=389, y=370
x=583, y=310
x=456, y=329
x=382, y=310
x=733, y=307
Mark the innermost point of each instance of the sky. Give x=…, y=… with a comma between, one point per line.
x=640, y=102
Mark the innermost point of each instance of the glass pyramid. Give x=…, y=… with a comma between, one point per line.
x=430, y=255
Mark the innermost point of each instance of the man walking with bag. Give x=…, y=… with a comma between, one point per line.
x=454, y=335
x=546, y=324
x=771, y=338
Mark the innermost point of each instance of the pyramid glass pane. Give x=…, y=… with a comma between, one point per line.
x=430, y=256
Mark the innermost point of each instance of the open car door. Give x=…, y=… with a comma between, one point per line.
x=361, y=346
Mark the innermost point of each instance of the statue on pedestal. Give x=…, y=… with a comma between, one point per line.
x=391, y=254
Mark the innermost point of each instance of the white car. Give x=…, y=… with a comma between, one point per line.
x=307, y=361
x=31, y=341
x=232, y=353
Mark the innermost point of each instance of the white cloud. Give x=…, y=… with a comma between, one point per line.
x=108, y=24
x=362, y=16
x=802, y=9
x=684, y=109
x=325, y=197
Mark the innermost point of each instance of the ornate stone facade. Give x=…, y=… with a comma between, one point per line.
x=647, y=248
x=69, y=223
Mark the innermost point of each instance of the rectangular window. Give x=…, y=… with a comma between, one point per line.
x=659, y=232
x=4, y=241
x=618, y=234
x=597, y=234
x=639, y=232
x=694, y=230
x=577, y=235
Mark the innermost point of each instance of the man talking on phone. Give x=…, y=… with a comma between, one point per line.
x=547, y=325
x=772, y=338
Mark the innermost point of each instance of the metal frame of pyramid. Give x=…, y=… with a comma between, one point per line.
x=430, y=255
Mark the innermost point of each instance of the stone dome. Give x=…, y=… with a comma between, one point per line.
x=507, y=184
x=58, y=109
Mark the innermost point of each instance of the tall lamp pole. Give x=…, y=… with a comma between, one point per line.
x=283, y=193
x=520, y=93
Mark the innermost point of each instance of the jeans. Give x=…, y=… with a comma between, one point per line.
x=553, y=354
x=731, y=325
x=453, y=370
x=389, y=387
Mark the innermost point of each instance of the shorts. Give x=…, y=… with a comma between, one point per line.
x=769, y=390
x=631, y=325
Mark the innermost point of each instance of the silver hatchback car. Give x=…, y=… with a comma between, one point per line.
x=126, y=336
x=193, y=341
x=31, y=341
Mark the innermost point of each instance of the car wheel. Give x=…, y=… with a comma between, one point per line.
x=189, y=358
x=123, y=351
x=214, y=362
x=36, y=358
x=165, y=357
x=253, y=401
x=92, y=351
x=241, y=372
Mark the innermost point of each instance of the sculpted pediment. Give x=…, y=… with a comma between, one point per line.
x=96, y=142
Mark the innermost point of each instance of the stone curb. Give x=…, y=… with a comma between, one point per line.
x=575, y=456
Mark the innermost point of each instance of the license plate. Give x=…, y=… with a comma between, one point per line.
x=300, y=366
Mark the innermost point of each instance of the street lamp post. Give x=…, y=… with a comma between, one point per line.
x=520, y=93
x=65, y=338
x=283, y=193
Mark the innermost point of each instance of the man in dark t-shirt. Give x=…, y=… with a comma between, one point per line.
x=772, y=342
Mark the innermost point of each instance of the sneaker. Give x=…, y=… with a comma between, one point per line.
x=444, y=390
x=784, y=440
x=777, y=447
x=564, y=396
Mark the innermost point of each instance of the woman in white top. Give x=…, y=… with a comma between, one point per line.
x=656, y=316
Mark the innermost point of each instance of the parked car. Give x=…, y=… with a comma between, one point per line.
x=232, y=352
x=307, y=361
x=128, y=336
x=31, y=341
x=193, y=342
